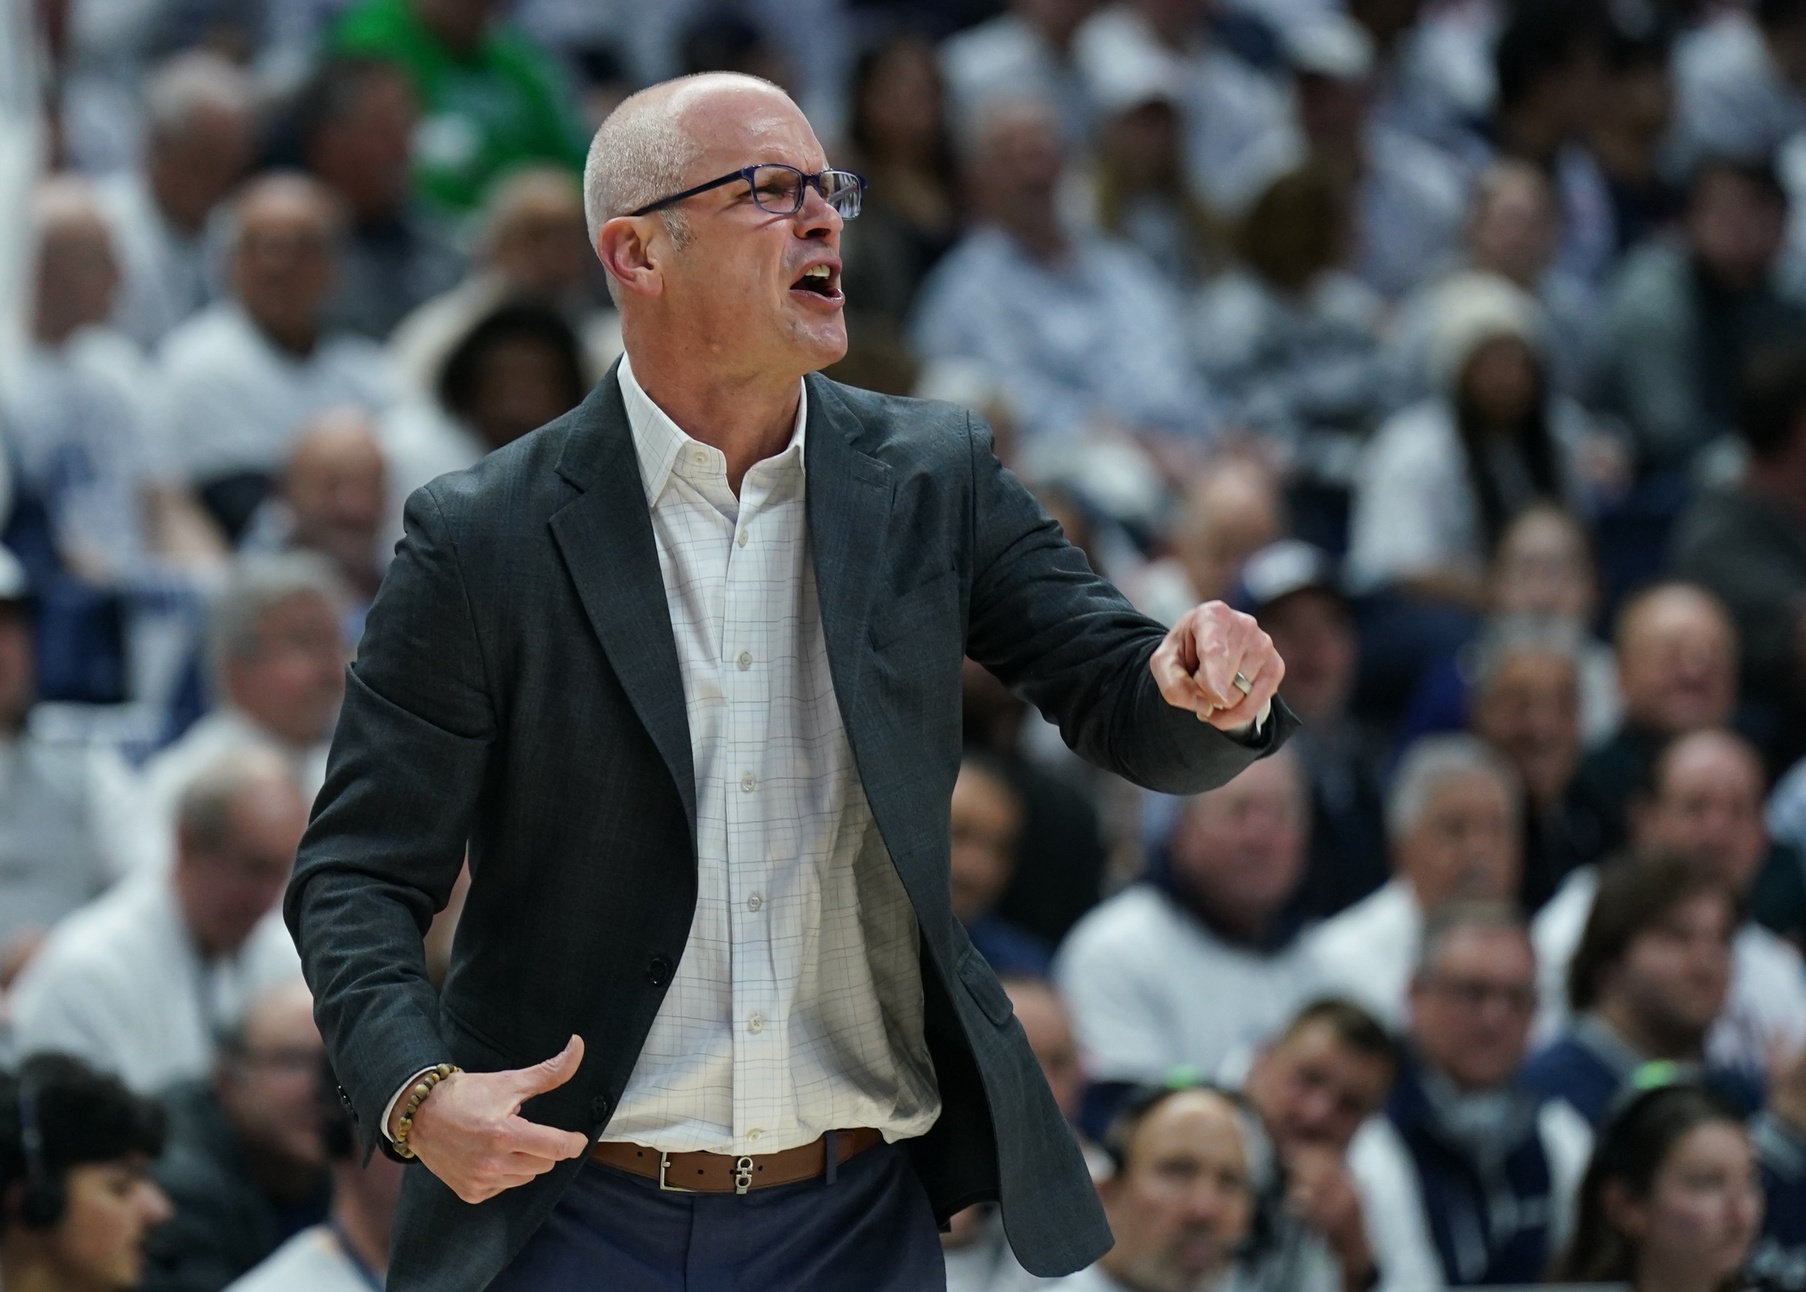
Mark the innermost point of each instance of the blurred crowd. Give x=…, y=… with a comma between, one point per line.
x=1461, y=342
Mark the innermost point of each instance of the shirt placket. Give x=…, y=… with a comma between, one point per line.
x=749, y=642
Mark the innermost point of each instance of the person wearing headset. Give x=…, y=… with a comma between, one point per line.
x=77, y=1202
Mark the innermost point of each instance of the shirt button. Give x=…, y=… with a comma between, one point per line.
x=699, y=458
x=747, y=782
x=740, y=539
x=754, y=1133
x=745, y=660
x=754, y=902
x=756, y=1023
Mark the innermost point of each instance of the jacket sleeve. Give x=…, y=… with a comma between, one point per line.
x=1066, y=640
x=390, y=825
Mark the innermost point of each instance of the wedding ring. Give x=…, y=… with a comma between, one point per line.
x=1241, y=683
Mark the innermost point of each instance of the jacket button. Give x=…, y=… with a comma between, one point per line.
x=345, y=1099
x=599, y=1108
x=658, y=973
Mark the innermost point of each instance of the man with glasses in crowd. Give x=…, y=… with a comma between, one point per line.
x=682, y=668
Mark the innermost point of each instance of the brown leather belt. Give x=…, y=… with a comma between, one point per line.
x=725, y=1173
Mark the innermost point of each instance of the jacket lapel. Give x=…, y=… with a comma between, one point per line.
x=849, y=496
x=605, y=536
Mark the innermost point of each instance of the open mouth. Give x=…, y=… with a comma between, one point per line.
x=821, y=280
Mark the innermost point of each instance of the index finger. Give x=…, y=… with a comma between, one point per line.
x=548, y=1142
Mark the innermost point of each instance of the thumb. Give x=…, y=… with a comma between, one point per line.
x=551, y=1073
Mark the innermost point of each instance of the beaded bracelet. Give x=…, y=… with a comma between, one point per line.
x=422, y=1088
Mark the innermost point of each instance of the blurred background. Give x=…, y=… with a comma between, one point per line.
x=1463, y=342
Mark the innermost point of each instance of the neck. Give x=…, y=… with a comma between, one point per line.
x=166, y=194
x=51, y=333
x=22, y=1272
x=1647, y=1042
x=1661, y=1276
x=1527, y=134
x=367, y=1238
x=1623, y=154
x=748, y=417
x=1043, y=239
x=296, y=337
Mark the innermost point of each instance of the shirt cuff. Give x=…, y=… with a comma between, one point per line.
x=1249, y=732
x=389, y=1108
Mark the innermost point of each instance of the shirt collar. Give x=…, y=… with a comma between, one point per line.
x=657, y=440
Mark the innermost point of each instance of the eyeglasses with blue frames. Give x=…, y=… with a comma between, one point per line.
x=781, y=190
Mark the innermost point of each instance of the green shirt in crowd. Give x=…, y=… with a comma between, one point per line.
x=502, y=106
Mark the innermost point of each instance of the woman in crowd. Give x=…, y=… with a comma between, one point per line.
x=1442, y=480
x=76, y=1198
x=1672, y=1201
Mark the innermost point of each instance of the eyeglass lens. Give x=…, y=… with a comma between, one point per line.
x=779, y=189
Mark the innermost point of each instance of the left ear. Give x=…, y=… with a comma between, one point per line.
x=625, y=246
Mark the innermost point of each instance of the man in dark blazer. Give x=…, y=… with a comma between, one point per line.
x=549, y=679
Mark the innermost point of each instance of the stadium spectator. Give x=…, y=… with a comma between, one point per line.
x=67, y=824
x=1779, y=1135
x=1287, y=337
x=1630, y=132
x=531, y=244
x=142, y=982
x=1291, y=588
x=357, y=120
x=1677, y=672
x=1452, y=824
x=898, y=138
x=350, y=1252
x=986, y=824
x=275, y=658
x=1024, y=52
x=1081, y=330
x=1216, y=913
x=200, y=134
x=1313, y=1087
x=246, y=1166
x=1739, y=82
x=1670, y=1200
x=1525, y=703
x=1491, y=1166
x=243, y=374
x=1681, y=320
x=331, y=499
x=1646, y=984
x=1233, y=508
x=1180, y=1196
x=1440, y=481
x=1747, y=541
x=1238, y=131
x=519, y=367
x=491, y=98
x=1704, y=802
x=76, y=1149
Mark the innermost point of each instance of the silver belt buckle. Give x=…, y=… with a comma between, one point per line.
x=664, y=1164
x=743, y=1173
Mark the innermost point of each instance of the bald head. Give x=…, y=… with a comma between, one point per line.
x=334, y=486
x=1677, y=659
x=1233, y=510
x=77, y=274
x=650, y=145
x=283, y=234
x=1709, y=788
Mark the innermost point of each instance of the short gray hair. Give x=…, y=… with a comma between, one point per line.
x=190, y=82
x=1432, y=762
x=260, y=582
x=1511, y=635
x=640, y=154
x=231, y=224
x=204, y=810
x=1450, y=918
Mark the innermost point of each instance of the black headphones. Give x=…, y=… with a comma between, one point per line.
x=41, y=1206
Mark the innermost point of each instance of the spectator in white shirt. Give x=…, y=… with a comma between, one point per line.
x=1704, y=802
x=143, y=982
x=350, y=1252
x=244, y=374
x=1082, y=330
x=1233, y=508
x=1181, y=1196
x=200, y=134
x=1739, y=79
x=275, y=657
x=1025, y=51
x=1490, y=1167
x=1452, y=821
x=1314, y=1086
x=1183, y=971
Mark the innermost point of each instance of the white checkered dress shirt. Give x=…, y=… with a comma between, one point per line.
x=797, y=1005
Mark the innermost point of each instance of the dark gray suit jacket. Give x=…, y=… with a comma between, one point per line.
x=517, y=688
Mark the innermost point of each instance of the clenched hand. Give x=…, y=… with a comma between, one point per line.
x=469, y=1131
x=1196, y=665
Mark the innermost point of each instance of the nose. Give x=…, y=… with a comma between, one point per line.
x=818, y=218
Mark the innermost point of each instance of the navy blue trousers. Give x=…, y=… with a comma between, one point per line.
x=870, y=1230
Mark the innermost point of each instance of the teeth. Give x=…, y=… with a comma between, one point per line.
x=817, y=271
